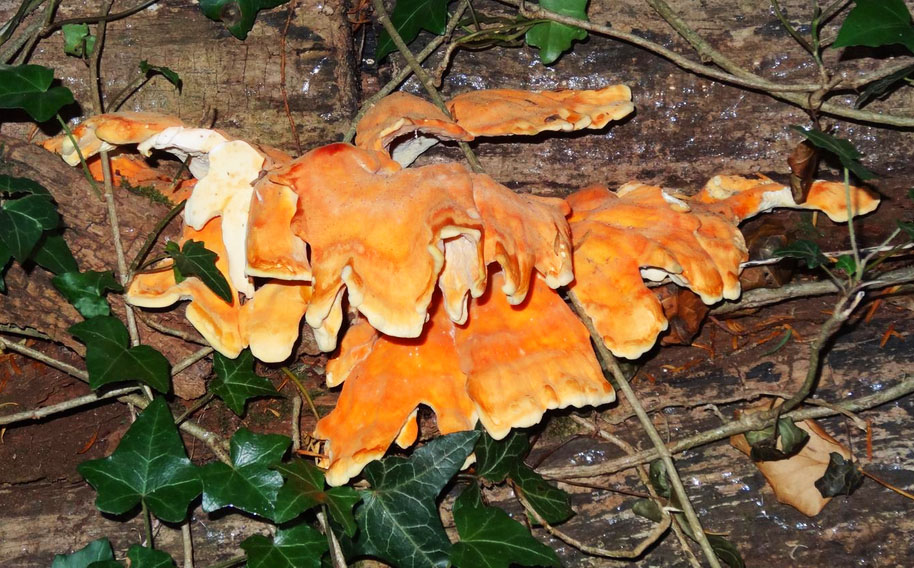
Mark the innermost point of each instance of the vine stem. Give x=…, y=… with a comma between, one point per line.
x=744, y=424
x=147, y=524
x=665, y=456
x=795, y=94
x=423, y=77
x=187, y=543
x=213, y=441
x=403, y=75
x=79, y=152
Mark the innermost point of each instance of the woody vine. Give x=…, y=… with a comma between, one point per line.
x=251, y=472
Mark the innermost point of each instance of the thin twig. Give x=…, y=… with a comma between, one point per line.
x=301, y=388
x=337, y=559
x=635, y=552
x=190, y=360
x=99, y=17
x=79, y=152
x=665, y=456
x=746, y=423
x=25, y=332
x=147, y=523
x=296, y=423
x=96, y=60
x=124, y=94
x=154, y=234
x=195, y=407
x=78, y=402
x=33, y=39
x=188, y=337
x=403, y=75
x=187, y=543
x=47, y=360
x=421, y=75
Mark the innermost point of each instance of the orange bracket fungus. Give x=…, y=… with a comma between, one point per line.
x=450, y=277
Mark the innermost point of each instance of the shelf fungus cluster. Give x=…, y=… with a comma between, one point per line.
x=451, y=279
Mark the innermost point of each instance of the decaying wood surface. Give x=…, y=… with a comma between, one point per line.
x=685, y=129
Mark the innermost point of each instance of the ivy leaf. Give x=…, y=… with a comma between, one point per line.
x=29, y=87
x=142, y=557
x=882, y=86
x=106, y=564
x=408, y=18
x=23, y=221
x=86, y=291
x=5, y=258
x=149, y=464
x=906, y=226
x=236, y=381
x=847, y=264
x=841, y=477
x=495, y=459
x=726, y=551
x=764, y=443
x=305, y=489
x=489, y=538
x=548, y=500
x=237, y=15
x=194, y=259
x=77, y=40
x=298, y=547
x=93, y=552
x=170, y=75
x=53, y=254
x=874, y=23
x=110, y=359
x=843, y=149
x=553, y=38
x=248, y=483
x=12, y=186
x=807, y=251
x=398, y=519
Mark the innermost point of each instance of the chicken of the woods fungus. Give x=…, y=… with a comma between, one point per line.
x=450, y=277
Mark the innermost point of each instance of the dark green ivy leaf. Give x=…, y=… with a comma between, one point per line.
x=305, y=489
x=236, y=381
x=106, y=564
x=906, y=226
x=548, y=500
x=554, y=38
x=807, y=251
x=12, y=186
x=110, y=359
x=398, y=519
x=23, y=221
x=142, y=557
x=194, y=259
x=149, y=464
x=489, y=538
x=77, y=40
x=170, y=75
x=408, y=18
x=248, y=483
x=882, y=86
x=95, y=551
x=237, y=15
x=53, y=253
x=843, y=149
x=298, y=547
x=29, y=87
x=874, y=23
x=495, y=459
x=726, y=551
x=846, y=264
x=86, y=291
x=842, y=477
x=5, y=258
x=765, y=445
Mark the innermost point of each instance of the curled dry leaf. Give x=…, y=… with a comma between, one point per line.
x=793, y=480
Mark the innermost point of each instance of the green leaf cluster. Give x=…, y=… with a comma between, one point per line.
x=305, y=488
x=843, y=149
x=237, y=15
x=874, y=23
x=94, y=552
x=841, y=477
x=765, y=442
x=409, y=17
x=149, y=465
x=77, y=41
x=28, y=87
x=807, y=251
x=170, y=75
x=86, y=291
x=194, y=259
x=553, y=38
x=297, y=547
x=30, y=227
